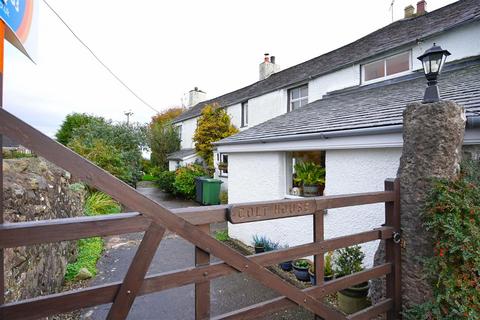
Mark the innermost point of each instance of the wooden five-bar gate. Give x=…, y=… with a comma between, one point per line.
x=193, y=224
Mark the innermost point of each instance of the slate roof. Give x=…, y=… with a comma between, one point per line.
x=377, y=105
x=394, y=35
x=181, y=154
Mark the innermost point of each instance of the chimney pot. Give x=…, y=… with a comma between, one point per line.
x=266, y=58
x=272, y=59
x=409, y=11
x=268, y=67
x=421, y=7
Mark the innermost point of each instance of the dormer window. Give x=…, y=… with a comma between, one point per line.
x=386, y=68
x=297, y=97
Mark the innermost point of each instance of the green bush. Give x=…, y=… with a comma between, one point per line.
x=222, y=235
x=452, y=215
x=185, y=180
x=349, y=260
x=99, y=203
x=165, y=181
x=224, y=197
x=15, y=154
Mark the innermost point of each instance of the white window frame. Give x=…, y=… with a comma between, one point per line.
x=244, y=114
x=289, y=96
x=385, y=77
x=222, y=173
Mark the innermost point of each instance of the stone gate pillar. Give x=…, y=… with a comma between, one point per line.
x=432, y=143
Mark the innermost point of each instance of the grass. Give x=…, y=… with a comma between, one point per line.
x=90, y=250
x=222, y=235
x=148, y=177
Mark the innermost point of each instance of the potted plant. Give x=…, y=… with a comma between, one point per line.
x=259, y=243
x=311, y=176
x=348, y=261
x=223, y=166
x=327, y=270
x=300, y=269
x=286, y=265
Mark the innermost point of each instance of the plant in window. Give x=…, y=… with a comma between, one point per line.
x=310, y=175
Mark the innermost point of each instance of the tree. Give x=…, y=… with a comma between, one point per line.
x=163, y=137
x=72, y=122
x=213, y=125
x=116, y=148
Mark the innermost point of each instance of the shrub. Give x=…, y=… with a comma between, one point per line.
x=165, y=181
x=349, y=260
x=452, y=215
x=99, y=203
x=224, y=197
x=185, y=180
x=213, y=125
x=222, y=235
x=72, y=122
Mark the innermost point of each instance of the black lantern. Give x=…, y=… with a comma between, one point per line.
x=433, y=60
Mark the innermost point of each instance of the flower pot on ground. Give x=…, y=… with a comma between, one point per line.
x=350, y=260
x=311, y=176
x=312, y=276
x=286, y=265
x=327, y=271
x=300, y=269
x=263, y=244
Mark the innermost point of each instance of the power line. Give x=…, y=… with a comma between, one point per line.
x=98, y=59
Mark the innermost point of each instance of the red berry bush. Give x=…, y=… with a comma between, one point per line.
x=452, y=215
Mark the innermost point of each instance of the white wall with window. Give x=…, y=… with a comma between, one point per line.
x=188, y=129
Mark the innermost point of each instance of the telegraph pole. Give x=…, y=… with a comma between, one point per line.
x=128, y=113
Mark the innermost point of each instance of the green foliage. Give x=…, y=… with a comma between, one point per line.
x=302, y=263
x=99, y=203
x=116, y=148
x=185, y=180
x=213, y=125
x=89, y=251
x=15, y=154
x=163, y=137
x=224, y=197
x=165, y=181
x=309, y=173
x=349, y=260
x=72, y=122
x=452, y=215
x=263, y=241
x=148, y=177
x=222, y=235
x=328, y=266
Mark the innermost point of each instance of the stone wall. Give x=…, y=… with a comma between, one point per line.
x=36, y=190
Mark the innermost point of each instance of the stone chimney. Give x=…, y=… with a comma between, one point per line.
x=195, y=96
x=268, y=67
x=421, y=7
x=409, y=11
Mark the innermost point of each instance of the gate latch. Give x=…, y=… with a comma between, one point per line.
x=397, y=237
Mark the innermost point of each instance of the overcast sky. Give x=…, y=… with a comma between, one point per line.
x=162, y=49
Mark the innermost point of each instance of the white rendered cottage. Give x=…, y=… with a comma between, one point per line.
x=342, y=110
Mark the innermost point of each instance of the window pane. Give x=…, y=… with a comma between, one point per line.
x=398, y=63
x=294, y=93
x=303, y=102
x=304, y=91
x=374, y=70
x=295, y=105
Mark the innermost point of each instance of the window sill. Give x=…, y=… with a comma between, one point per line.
x=289, y=196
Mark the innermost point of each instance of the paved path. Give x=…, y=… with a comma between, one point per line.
x=228, y=293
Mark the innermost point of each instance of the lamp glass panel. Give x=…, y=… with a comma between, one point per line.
x=435, y=61
x=426, y=65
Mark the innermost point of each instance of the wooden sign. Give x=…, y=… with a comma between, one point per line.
x=268, y=211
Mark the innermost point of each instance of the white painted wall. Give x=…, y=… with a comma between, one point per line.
x=352, y=171
x=262, y=176
x=188, y=129
x=175, y=164
x=337, y=80
x=259, y=177
x=266, y=107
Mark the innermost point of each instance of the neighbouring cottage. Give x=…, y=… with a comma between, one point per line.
x=342, y=110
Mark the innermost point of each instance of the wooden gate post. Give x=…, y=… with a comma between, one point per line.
x=393, y=250
x=318, y=235
x=202, y=289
